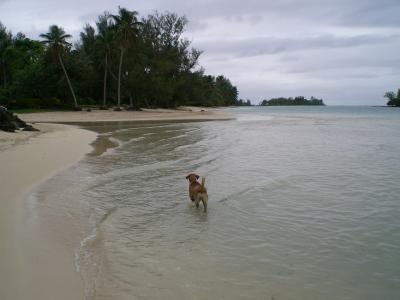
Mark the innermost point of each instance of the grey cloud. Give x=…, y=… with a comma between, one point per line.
x=373, y=13
x=90, y=17
x=195, y=25
x=270, y=45
x=339, y=12
x=390, y=65
x=251, y=19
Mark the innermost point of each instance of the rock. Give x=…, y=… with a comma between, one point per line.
x=30, y=128
x=10, y=122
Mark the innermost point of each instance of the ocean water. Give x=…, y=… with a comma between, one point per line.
x=304, y=203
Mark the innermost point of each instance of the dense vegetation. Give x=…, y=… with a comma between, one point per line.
x=121, y=60
x=300, y=100
x=394, y=100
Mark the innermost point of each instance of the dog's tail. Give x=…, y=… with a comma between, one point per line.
x=203, y=184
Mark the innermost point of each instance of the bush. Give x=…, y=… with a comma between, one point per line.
x=50, y=102
x=86, y=101
x=25, y=103
x=4, y=96
x=35, y=103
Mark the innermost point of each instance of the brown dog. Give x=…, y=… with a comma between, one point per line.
x=197, y=191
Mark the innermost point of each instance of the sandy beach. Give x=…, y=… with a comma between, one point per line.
x=181, y=114
x=32, y=267
x=27, y=159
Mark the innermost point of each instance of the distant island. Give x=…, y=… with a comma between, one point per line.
x=299, y=100
x=394, y=100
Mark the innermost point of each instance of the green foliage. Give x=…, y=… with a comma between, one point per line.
x=57, y=45
x=4, y=96
x=394, y=100
x=143, y=62
x=23, y=103
x=300, y=100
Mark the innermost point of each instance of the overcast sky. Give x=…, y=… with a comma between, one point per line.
x=344, y=51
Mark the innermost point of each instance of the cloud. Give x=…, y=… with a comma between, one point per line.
x=373, y=13
x=258, y=46
x=267, y=48
x=194, y=26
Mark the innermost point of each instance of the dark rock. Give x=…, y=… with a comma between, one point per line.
x=30, y=128
x=10, y=122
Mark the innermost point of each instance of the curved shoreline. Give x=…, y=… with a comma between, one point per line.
x=28, y=267
x=32, y=266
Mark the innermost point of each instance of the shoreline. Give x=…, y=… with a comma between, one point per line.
x=185, y=114
x=30, y=265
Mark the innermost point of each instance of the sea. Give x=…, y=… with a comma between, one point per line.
x=304, y=203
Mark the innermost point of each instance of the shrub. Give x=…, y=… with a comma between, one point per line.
x=25, y=103
x=4, y=96
x=50, y=102
x=86, y=101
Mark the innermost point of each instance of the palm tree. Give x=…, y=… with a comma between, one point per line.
x=104, y=42
x=57, y=45
x=127, y=29
x=88, y=38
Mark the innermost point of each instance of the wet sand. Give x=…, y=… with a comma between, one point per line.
x=30, y=267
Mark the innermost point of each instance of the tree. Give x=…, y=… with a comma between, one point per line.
x=394, y=100
x=127, y=30
x=88, y=39
x=57, y=45
x=152, y=62
x=5, y=49
x=104, y=43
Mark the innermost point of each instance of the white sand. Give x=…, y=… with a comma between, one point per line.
x=26, y=159
x=182, y=114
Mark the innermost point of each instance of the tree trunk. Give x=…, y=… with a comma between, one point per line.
x=105, y=83
x=119, y=77
x=69, y=82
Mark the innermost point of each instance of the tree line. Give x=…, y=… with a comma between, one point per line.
x=300, y=100
x=393, y=99
x=121, y=60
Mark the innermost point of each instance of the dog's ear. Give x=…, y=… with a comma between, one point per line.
x=192, y=174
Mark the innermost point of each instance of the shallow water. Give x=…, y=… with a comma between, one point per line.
x=304, y=204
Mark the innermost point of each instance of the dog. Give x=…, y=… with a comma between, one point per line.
x=197, y=191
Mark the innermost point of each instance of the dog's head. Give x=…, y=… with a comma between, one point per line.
x=192, y=177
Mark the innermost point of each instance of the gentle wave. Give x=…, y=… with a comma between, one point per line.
x=303, y=204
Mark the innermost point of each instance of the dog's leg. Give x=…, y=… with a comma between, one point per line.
x=197, y=200
x=204, y=198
